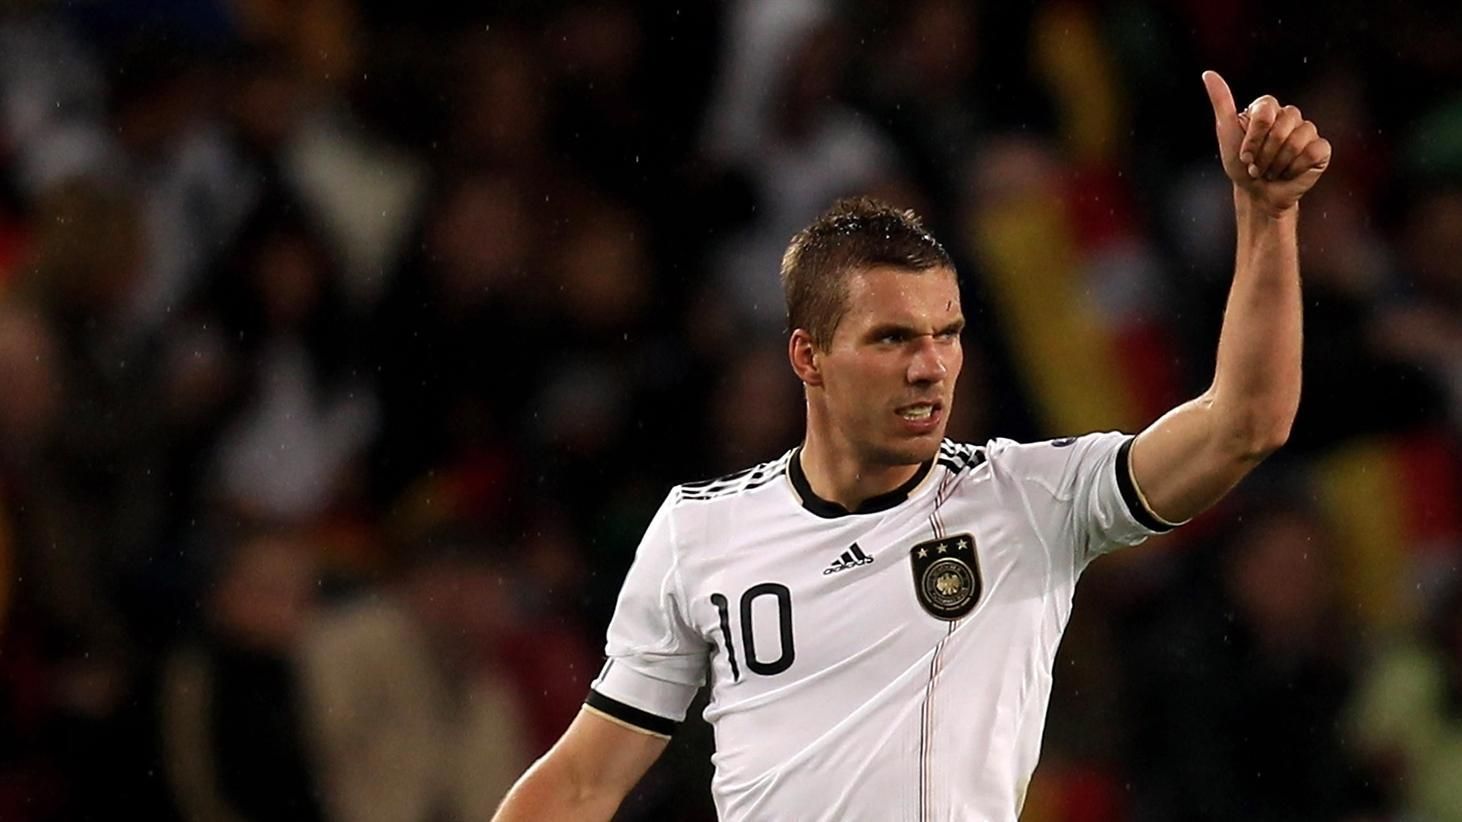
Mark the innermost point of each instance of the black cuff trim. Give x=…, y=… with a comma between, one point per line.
x=1130, y=496
x=630, y=715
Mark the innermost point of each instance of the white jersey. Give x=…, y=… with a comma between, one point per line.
x=891, y=663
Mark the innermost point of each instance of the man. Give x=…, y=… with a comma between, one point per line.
x=878, y=611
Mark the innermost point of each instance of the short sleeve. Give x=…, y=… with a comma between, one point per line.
x=1090, y=489
x=657, y=661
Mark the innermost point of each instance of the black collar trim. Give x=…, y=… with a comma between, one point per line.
x=828, y=509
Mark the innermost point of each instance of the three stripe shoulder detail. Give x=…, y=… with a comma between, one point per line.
x=737, y=483
x=957, y=456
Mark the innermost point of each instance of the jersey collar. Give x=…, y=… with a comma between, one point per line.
x=829, y=509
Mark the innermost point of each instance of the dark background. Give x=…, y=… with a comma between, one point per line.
x=347, y=346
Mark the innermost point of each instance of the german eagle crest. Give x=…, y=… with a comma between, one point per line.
x=947, y=575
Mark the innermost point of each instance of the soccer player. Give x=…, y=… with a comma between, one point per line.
x=878, y=610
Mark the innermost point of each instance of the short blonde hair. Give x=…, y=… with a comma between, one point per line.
x=857, y=233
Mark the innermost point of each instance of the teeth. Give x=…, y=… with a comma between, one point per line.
x=918, y=412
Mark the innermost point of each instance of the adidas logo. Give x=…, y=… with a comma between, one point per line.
x=851, y=558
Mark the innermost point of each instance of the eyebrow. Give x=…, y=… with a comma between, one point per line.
x=909, y=331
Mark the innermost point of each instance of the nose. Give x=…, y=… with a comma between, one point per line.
x=927, y=364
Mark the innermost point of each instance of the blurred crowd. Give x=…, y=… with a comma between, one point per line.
x=347, y=346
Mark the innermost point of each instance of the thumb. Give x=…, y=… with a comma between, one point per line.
x=1219, y=95
x=1225, y=115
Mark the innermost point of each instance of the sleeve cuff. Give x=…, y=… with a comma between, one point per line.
x=630, y=716
x=1132, y=495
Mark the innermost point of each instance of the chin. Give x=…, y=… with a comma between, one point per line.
x=909, y=452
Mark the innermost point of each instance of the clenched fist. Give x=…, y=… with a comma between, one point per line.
x=1270, y=151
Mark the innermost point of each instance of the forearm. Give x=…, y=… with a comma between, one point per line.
x=586, y=774
x=548, y=792
x=1256, y=385
x=1197, y=452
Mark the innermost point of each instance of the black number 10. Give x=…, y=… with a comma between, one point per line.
x=784, y=626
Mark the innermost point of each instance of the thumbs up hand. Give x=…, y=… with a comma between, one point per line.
x=1269, y=151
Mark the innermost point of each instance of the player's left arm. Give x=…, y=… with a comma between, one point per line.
x=1190, y=457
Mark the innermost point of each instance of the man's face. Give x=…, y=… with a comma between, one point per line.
x=890, y=369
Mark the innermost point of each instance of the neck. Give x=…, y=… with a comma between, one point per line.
x=838, y=476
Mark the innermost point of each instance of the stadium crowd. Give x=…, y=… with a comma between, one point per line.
x=347, y=347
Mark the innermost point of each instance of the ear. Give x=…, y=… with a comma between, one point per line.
x=803, y=355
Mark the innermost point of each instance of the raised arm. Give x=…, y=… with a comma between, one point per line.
x=585, y=775
x=1188, y=459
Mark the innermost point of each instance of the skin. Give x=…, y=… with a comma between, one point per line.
x=1193, y=455
x=898, y=343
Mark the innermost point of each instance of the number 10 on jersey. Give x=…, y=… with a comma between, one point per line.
x=748, y=638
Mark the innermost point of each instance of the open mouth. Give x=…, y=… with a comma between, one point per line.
x=919, y=412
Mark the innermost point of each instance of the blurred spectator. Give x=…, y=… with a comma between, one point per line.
x=1241, y=689
x=1348, y=271
x=753, y=410
x=99, y=462
x=500, y=116
x=412, y=707
x=801, y=146
x=31, y=616
x=1424, y=327
x=447, y=341
x=192, y=191
x=1407, y=716
x=759, y=35
x=597, y=55
x=923, y=90
x=232, y=697
x=318, y=34
x=54, y=98
x=600, y=276
x=366, y=194
x=305, y=411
